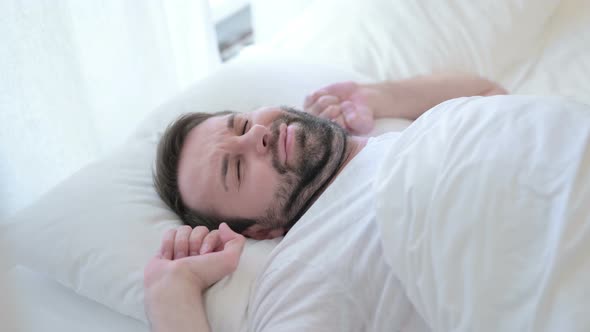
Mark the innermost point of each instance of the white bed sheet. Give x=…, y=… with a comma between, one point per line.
x=37, y=303
x=483, y=212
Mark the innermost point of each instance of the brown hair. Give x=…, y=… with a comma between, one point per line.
x=165, y=175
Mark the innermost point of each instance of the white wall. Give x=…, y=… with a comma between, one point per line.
x=270, y=16
x=77, y=76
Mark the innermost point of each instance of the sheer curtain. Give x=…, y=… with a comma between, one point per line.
x=77, y=76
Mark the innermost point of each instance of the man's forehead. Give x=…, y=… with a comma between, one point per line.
x=199, y=138
x=198, y=159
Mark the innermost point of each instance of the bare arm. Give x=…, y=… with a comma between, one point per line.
x=183, y=313
x=410, y=98
x=355, y=106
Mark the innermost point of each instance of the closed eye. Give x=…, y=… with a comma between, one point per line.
x=245, y=126
x=238, y=170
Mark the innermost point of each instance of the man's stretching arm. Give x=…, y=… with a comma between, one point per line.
x=412, y=97
x=355, y=106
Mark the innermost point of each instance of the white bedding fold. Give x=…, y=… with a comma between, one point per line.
x=484, y=213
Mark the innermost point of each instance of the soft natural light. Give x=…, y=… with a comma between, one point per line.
x=221, y=9
x=391, y=165
x=83, y=74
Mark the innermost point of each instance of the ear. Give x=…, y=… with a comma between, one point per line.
x=258, y=232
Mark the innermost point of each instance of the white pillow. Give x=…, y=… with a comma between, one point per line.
x=95, y=231
x=393, y=39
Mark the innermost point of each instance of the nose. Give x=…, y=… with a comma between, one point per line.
x=258, y=138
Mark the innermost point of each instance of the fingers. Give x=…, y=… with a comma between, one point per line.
x=322, y=104
x=213, y=266
x=334, y=113
x=167, y=248
x=181, y=245
x=340, y=90
x=331, y=112
x=201, y=241
x=226, y=234
x=233, y=250
x=358, y=119
x=311, y=99
x=233, y=243
x=340, y=121
x=349, y=112
x=185, y=241
x=210, y=243
x=196, y=239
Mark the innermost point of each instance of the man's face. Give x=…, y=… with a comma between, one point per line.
x=265, y=165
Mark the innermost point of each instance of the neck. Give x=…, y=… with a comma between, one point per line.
x=354, y=145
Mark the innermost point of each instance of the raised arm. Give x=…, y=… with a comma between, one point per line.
x=189, y=261
x=355, y=106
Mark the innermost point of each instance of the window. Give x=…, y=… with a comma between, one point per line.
x=233, y=25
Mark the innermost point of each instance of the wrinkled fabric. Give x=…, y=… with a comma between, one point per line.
x=483, y=207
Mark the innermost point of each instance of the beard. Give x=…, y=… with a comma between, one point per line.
x=320, y=147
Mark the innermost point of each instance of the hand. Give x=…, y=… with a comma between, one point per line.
x=189, y=261
x=346, y=103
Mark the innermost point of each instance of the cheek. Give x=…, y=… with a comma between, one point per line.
x=261, y=186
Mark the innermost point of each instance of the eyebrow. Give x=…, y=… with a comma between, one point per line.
x=224, y=166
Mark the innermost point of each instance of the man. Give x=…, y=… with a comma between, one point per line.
x=261, y=174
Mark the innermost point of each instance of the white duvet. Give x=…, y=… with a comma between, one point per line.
x=484, y=213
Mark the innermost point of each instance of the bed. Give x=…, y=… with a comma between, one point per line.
x=531, y=47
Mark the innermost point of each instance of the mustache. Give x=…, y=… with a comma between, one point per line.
x=274, y=142
x=290, y=116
